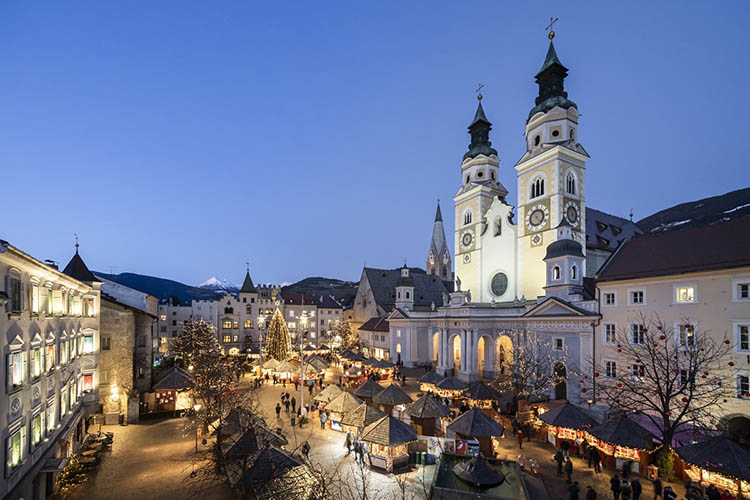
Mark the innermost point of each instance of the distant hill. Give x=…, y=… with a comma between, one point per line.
x=160, y=287
x=219, y=285
x=700, y=212
x=342, y=291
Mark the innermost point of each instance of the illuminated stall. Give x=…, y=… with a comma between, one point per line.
x=340, y=406
x=565, y=422
x=480, y=395
x=477, y=425
x=387, y=442
x=450, y=387
x=270, y=365
x=620, y=440
x=425, y=412
x=392, y=397
x=368, y=390
x=328, y=394
x=718, y=461
x=359, y=418
x=428, y=380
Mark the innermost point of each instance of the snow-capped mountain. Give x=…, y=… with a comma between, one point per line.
x=217, y=284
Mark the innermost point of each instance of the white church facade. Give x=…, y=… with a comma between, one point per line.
x=519, y=271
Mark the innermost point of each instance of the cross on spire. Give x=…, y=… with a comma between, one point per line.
x=76, y=235
x=552, y=21
x=478, y=91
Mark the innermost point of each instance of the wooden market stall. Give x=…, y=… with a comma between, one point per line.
x=452, y=388
x=359, y=418
x=340, y=406
x=368, y=390
x=481, y=395
x=718, y=461
x=428, y=380
x=387, y=440
x=270, y=365
x=172, y=390
x=425, y=412
x=474, y=424
x=620, y=440
x=328, y=394
x=392, y=397
x=565, y=422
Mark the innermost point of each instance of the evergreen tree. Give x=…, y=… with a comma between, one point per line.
x=278, y=342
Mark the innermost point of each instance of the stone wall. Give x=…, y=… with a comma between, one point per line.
x=118, y=323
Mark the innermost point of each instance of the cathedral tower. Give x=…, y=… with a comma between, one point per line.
x=480, y=187
x=439, y=257
x=551, y=176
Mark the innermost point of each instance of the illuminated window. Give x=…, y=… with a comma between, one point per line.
x=610, y=333
x=16, y=447
x=743, y=337
x=743, y=386
x=16, y=368
x=88, y=383
x=88, y=307
x=686, y=336
x=163, y=317
x=227, y=339
x=35, y=299
x=684, y=294
x=236, y=325
x=248, y=323
x=51, y=416
x=57, y=302
x=88, y=344
x=36, y=362
x=226, y=324
x=37, y=428
x=637, y=371
x=77, y=307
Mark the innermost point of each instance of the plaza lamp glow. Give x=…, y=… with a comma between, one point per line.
x=302, y=339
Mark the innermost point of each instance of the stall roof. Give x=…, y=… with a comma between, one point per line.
x=623, y=431
x=569, y=416
x=391, y=396
x=328, y=394
x=429, y=378
x=427, y=407
x=477, y=471
x=174, y=378
x=475, y=423
x=451, y=383
x=270, y=463
x=389, y=431
x=719, y=454
x=343, y=403
x=368, y=389
x=480, y=391
x=362, y=416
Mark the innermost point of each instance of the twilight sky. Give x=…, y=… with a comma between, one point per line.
x=180, y=139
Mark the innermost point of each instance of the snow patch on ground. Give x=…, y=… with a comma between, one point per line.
x=736, y=208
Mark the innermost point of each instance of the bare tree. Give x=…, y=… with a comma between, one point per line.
x=677, y=377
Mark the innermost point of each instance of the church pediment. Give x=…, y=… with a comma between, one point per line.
x=556, y=307
x=397, y=314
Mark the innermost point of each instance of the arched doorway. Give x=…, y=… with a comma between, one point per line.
x=561, y=386
x=456, y=348
x=480, y=355
x=484, y=356
x=435, y=348
x=738, y=427
x=504, y=355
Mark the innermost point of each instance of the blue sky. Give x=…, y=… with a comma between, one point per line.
x=180, y=139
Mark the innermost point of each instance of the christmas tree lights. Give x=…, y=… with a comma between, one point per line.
x=278, y=342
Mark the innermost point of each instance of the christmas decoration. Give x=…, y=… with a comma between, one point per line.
x=72, y=475
x=278, y=341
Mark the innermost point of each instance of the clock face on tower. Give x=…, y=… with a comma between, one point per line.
x=466, y=239
x=571, y=213
x=537, y=217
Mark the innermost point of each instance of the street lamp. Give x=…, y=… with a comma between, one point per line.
x=303, y=336
x=197, y=408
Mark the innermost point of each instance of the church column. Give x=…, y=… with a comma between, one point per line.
x=441, y=348
x=473, y=353
x=464, y=339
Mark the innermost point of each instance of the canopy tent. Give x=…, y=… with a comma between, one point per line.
x=387, y=439
x=719, y=461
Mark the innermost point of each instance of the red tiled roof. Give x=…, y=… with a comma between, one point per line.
x=718, y=246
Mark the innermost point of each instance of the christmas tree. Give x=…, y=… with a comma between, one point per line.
x=278, y=342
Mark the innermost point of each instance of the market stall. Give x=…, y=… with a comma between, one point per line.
x=383, y=369
x=328, y=394
x=428, y=380
x=359, y=418
x=620, y=440
x=481, y=395
x=387, y=440
x=425, y=412
x=368, y=390
x=340, y=406
x=270, y=365
x=718, y=461
x=477, y=425
x=317, y=362
x=565, y=422
x=450, y=387
x=392, y=397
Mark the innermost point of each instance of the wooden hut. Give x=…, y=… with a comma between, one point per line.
x=428, y=380
x=390, y=397
x=340, y=406
x=566, y=422
x=718, y=461
x=359, y=418
x=168, y=390
x=481, y=395
x=387, y=441
x=424, y=412
x=620, y=440
x=328, y=394
x=368, y=390
x=475, y=424
x=450, y=387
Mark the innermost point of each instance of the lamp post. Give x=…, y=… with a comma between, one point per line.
x=197, y=408
x=303, y=336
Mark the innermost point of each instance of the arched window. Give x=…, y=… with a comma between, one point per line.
x=570, y=182
x=492, y=174
x=398, y=295
x=555, y=273
x=537, y=140
x=407, y=295
x=537, y=187
x=467, y=179
x=444, y=273
x=467, y=217
x=574, y=272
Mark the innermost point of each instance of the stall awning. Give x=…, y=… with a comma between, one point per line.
x=54, y=464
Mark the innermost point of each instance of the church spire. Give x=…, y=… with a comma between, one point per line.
x=480, y=134
x=247, y=285
x=551, y=81
x=439, y=257
x=438, y=214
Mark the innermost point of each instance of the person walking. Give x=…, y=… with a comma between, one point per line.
x=573, y=491
x=294, y=419
x=590, y=493
x=669, y=493
x=614, y=485
x=348, y=443
x=565, y=446
x=713, y=493
x=278, y=410
x=357, y=450
x=626, y=492
x=296, y=384
x=626, y=468
x=657, y=488
x=577, y=443
x=527, y=431
x=590, y=450
x=323, y=418
x=283, y=381
x=310, y=388
x=294, y=403
x=519, y=438
x=306, y=450
x=597, y=460
x=286, y=405
x=568, y=469
x=559, y=459
x=637, y=488
x=585, y=450
x=362, y=451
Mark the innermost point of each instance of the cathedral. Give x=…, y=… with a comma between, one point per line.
x=520, y=272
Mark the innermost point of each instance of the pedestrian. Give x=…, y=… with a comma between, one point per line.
x=527, y=431
x=727, y=496
x=278, y=410
x=573, y=491
x=713, y=493
x=362, y=451
x=590, y=450
x=669, y=493
x=295, y=385
x=626, y=467
x=657, y=488
x=614, y=485
x=306, y=450
x=590, y=493
x=310, y=388
x=559, y=459
x=637, y=488
x=283, y=381
x=515, y=426
x=626, y=492
x=585, y=450
x=323, y=418
x=565, y=446
x=568, y=469
x=578, y=446
x=348, y=443
x=294, y=419
x=597, y=460
x=294, y=403
x=339, y=379
x=355, y=445
x=286, y=405
x=519, y=438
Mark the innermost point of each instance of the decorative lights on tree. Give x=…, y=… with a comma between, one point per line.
x=677, y=377
x=278, y=342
